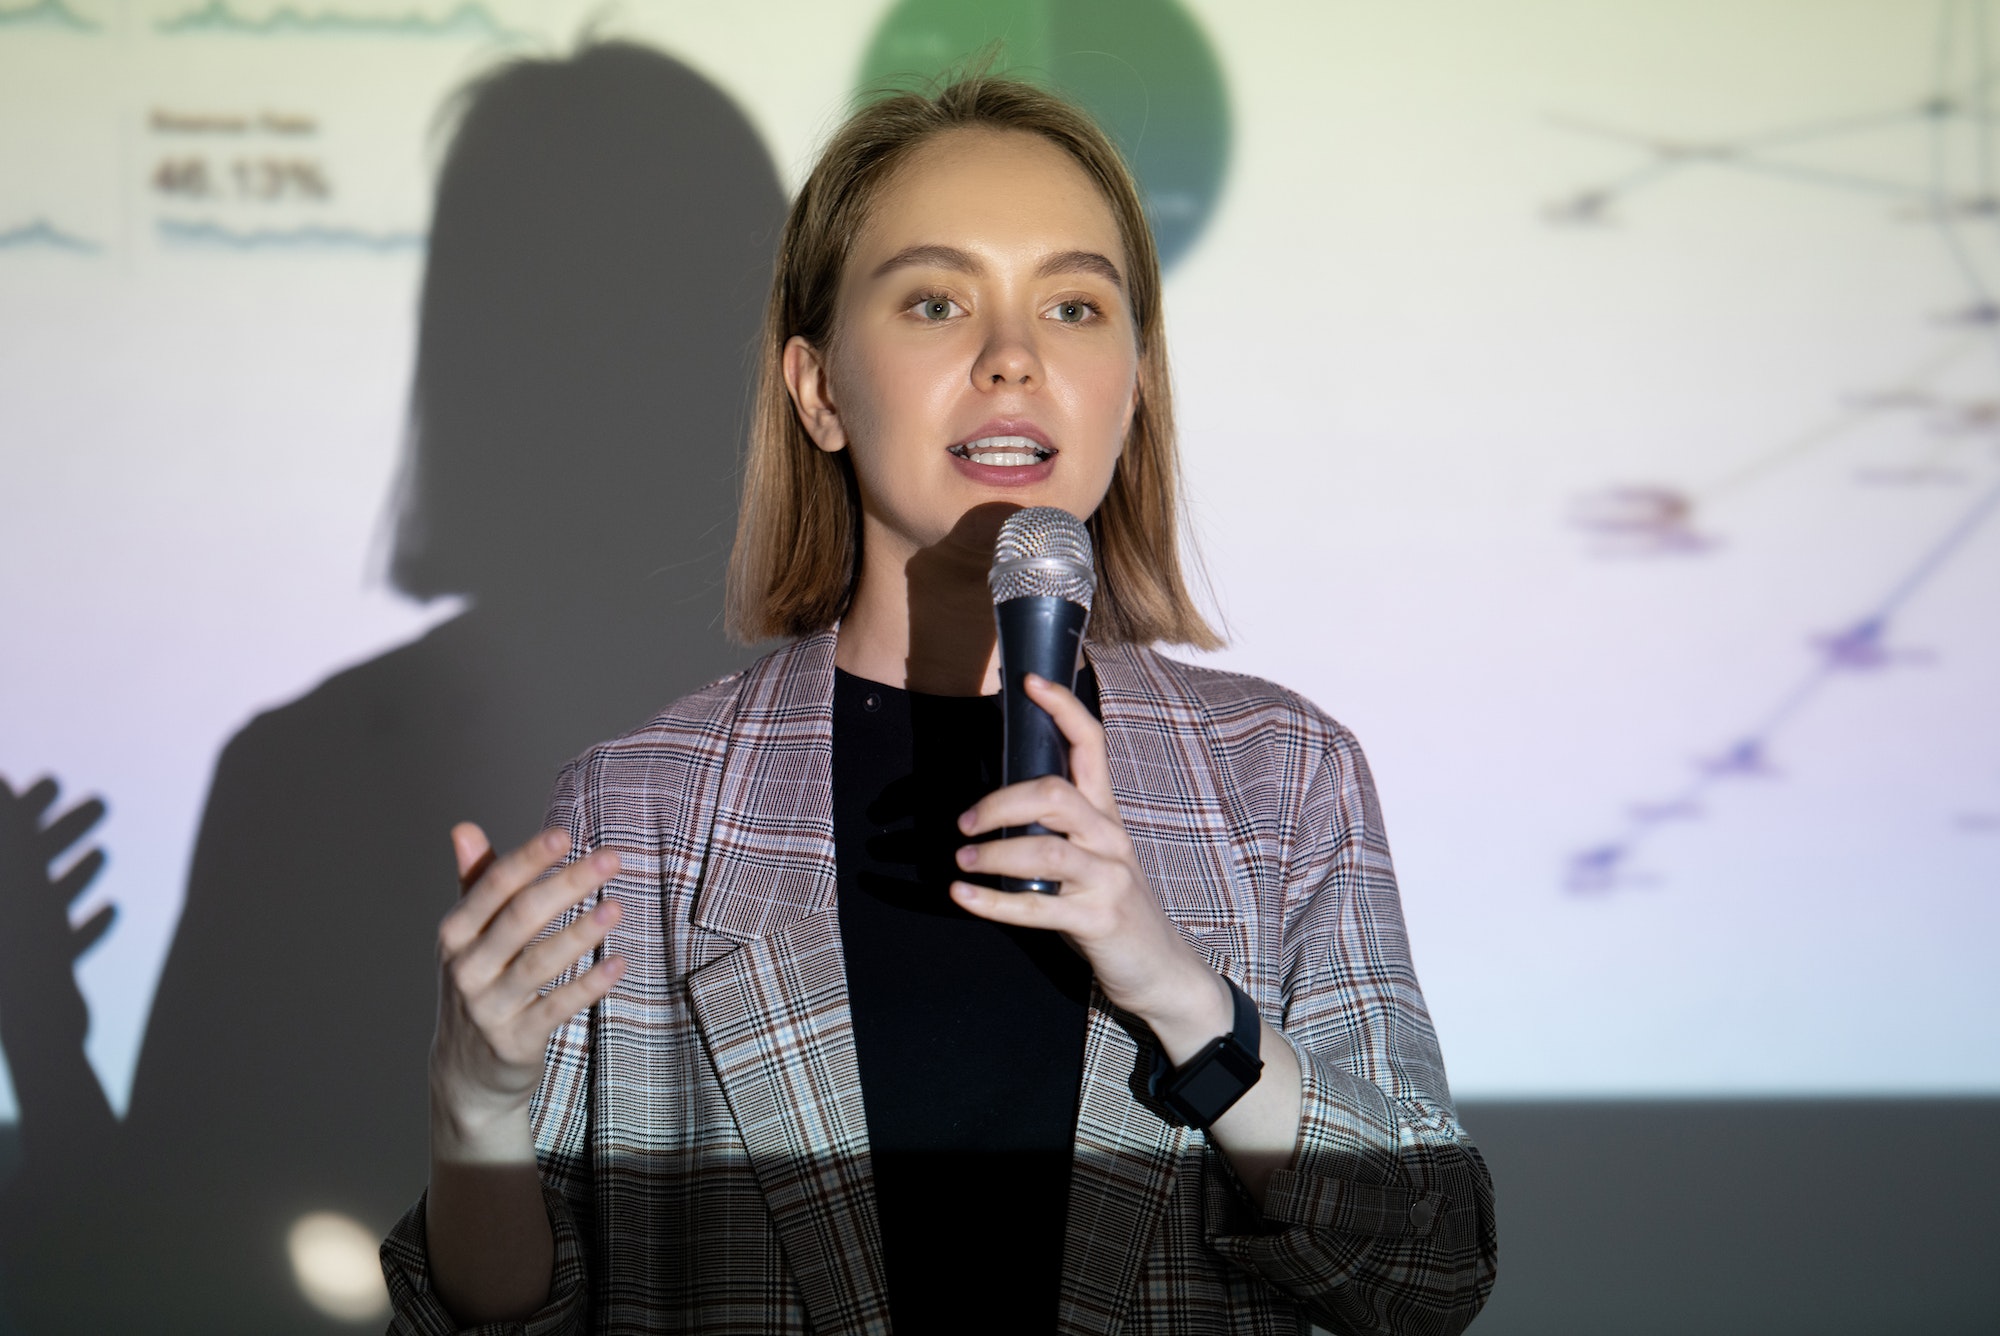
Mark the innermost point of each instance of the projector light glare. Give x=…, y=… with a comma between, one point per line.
x=334, y=1259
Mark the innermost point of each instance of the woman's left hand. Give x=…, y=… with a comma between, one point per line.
x=1105, y=909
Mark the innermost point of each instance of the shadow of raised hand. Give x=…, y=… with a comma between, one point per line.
x=43, y=1015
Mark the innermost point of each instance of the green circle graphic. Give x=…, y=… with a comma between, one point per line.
x=1141, y=67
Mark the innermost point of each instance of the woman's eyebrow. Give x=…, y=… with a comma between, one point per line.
x=931, y=256
x=1081, y=262
x=934, y=256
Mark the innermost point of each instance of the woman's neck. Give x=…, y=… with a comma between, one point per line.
x=923, y=619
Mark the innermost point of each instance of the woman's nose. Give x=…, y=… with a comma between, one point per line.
x=1009, y=357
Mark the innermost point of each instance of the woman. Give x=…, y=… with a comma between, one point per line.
x=766, y=1092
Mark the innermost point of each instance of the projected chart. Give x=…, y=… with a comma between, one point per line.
x=213, y=220
x=48, y=14
x=237, y=127
x=1657, y=582
x=259, y=181
x=42, y=233
x=1933, y=423
x=254, y=176
x=470, y=20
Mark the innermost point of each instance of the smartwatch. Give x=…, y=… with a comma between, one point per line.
x=1201, y=1089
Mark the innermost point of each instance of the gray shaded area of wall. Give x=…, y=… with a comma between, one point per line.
x=1810, y=1216
x=1775, y=1217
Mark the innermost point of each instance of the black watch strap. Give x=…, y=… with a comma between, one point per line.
x=1201, y=1089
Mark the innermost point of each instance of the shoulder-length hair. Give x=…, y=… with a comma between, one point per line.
x=798, y=532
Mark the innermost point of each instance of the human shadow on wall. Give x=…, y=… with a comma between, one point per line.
x=600, y=248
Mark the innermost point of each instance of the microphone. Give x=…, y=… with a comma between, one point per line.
x=1042, y=582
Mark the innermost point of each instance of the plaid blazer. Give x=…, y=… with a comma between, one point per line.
x=703, y=1146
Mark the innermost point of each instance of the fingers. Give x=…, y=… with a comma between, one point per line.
x=1050, y=801
x=81, y=873
x=497, y=955
x=68, y=828
x=91, y=931
x=1085, y=808
x=1013, y=908
x=473, y=852
x=38, y=796
x=545, y=960
x=527, y=914
x=498, y=884
x=496, y=974
x=1088, y=766
x=1036, y=857
x=586, y=990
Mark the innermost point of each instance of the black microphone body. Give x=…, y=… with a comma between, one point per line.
x=1043, y=635
x=1044, y=579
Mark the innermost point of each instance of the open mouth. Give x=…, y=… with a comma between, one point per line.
x=1004, y=451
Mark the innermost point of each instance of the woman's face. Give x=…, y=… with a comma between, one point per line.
x=984, y=348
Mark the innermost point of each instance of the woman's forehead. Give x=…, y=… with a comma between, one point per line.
x=983, y=189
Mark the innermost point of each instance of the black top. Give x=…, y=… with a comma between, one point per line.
x=969, y=1034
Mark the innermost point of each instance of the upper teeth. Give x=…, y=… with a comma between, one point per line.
x=1005, y=451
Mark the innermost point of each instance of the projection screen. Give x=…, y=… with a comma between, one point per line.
x=1594, y=407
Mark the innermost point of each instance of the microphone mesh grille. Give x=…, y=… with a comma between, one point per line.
x=1043, y=551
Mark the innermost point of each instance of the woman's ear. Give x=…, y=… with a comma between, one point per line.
x=812, y=395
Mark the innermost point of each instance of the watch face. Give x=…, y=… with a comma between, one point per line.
x=1204, y=1087
x=1215, y=1079
x=1213, y=1088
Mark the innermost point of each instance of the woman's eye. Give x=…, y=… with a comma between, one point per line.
x=937, y=308
x=1072, y=313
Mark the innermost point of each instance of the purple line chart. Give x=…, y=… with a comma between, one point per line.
x=1861, y=648
x=1928, y=422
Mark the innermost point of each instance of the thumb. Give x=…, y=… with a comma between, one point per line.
x=473, y=851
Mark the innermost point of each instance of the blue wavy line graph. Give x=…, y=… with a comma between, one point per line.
x=47, y=14
x=42, y=234
x=469, y=20
x=314, y=236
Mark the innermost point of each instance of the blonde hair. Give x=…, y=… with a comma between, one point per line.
x=797, y=551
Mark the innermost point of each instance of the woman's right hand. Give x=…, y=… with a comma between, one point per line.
x=494, y=1020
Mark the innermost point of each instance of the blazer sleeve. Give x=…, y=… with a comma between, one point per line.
x=1383, y=1220
x=560, y=1116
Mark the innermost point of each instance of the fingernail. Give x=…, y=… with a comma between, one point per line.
x=605, y=861
x=965, y=891
x=555, y=841
x=966, y=819
x=967, y=855
x=606, y=911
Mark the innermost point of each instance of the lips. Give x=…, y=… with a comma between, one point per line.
x=1003, y=451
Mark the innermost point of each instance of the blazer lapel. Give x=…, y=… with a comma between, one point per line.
x=773, y=1013
x=775, y=1020
x=1122, y=1176
x=770, y=854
